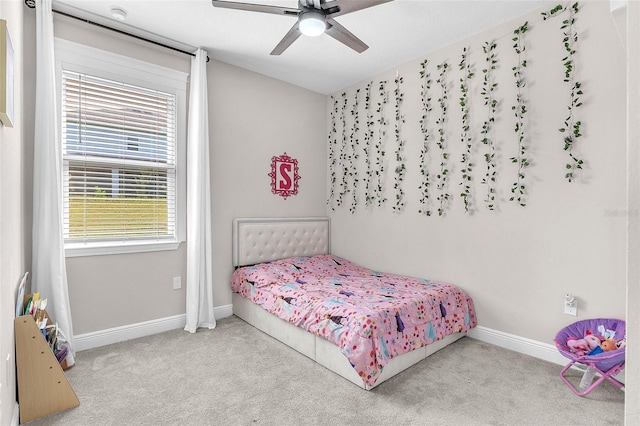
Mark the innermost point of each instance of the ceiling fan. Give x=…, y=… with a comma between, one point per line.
x=314, y=18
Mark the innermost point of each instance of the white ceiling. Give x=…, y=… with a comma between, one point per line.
x=396, y=32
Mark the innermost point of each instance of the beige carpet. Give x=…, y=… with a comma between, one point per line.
x=236, y=375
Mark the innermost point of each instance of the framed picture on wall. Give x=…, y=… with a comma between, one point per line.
x=284, y=175
x=6, y=75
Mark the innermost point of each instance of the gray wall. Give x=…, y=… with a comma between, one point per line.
x=632, y=385
x=15, y=219
x=252, y=118
x=408, y=244
x=517, y=263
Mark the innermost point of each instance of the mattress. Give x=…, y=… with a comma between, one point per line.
x=371, y=316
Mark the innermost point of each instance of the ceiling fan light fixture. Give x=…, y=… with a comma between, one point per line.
x=312, y=23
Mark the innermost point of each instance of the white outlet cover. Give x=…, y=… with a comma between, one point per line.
x=571, y=309
x=177, y=283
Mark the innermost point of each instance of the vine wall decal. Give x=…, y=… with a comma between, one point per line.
x=465, y=136
x=344, y=188
x=380, y=153
x=353, y=155
x=571, y=129
x=425, y=99
x=571, y=124
x=368, y=137
x=518, y=189
x=400, y=166
x=359, y=120
x=333, y=142
x=443, y=102
x=488, y=89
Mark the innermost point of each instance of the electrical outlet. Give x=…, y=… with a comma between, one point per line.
x=570, y=305
x=571, y=310
x=177, y=283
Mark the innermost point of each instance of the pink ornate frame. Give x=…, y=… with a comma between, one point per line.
x=284, y=176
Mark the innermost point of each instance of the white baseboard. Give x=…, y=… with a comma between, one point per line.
x=15, y=417
x=545, y=351
x=133, y=331
x=534, y=348
x=540, y=350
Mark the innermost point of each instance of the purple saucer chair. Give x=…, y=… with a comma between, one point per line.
x=606, y=364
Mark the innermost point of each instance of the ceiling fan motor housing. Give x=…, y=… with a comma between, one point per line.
x=312, y=23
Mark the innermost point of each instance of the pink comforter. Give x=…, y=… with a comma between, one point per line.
x=372, y=316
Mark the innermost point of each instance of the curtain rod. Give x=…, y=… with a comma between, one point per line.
x=31, y=4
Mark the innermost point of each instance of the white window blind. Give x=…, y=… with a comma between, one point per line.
x=119, y=158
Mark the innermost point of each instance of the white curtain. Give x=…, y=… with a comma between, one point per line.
x=199, y=254
x=48, y=263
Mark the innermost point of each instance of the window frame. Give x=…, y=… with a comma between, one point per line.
x=88, y=60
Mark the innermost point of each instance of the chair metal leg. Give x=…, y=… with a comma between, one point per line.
x=603, y=376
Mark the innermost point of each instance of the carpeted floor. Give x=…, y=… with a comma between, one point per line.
x=237, y=375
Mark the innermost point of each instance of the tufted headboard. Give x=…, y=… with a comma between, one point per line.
x=257, y=240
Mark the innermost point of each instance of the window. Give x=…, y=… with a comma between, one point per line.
x=123, y=177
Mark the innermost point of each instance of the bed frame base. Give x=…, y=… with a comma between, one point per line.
x=265, y=239
x=324, y=352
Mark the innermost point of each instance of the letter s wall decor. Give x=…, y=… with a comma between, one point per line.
x=284, y=176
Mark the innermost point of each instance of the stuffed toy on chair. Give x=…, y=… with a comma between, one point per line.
x=578, y=346
x=583, y=346
x=592, y=340
x=608, y=345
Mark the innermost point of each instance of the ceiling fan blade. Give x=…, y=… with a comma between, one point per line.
x=287, y=40
x=345, y=36
x=277, y=10
x=309, y=3
x=342, y=7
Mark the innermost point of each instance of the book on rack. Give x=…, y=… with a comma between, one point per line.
x=20, y=298
x=35, y=306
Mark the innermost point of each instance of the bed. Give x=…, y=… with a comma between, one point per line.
x=362, y=324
